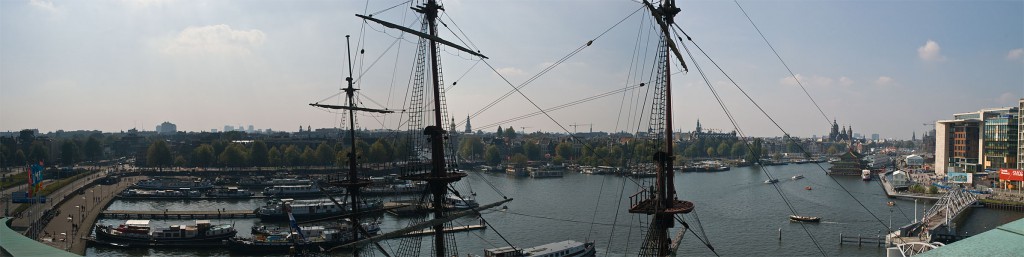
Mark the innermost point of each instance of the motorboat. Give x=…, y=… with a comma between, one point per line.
x=804, y=218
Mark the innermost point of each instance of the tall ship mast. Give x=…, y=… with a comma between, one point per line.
x=661, y=202
x=432, y=159
x=352, y=183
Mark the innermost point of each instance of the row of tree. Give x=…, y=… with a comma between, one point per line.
x=68, y=152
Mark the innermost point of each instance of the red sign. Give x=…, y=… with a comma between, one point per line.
x=1011, y=174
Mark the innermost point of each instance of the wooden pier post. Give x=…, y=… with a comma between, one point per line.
x=859, y=237
x=780, y=234
x=840, y=238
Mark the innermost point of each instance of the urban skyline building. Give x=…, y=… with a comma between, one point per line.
x=166, y=128
x=976, y=141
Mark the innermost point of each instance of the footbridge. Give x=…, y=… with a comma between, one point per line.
x=917, y=234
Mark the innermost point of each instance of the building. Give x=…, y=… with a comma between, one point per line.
x=701, y=133
x=849, y=164
x=836, y=134
x=166, y=128
x=975, y=141
x=874, y=137
x=469, y=129
x=1020, y=134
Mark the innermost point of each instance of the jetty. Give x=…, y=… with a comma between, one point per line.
x=132, y=214
x=892, y=193
x=429, y=232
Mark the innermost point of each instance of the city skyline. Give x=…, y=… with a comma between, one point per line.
x=882, y=67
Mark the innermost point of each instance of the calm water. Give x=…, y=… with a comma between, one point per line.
x=740, y=215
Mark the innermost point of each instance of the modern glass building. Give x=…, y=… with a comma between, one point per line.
x=976, y=141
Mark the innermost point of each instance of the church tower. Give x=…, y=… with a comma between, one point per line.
x=469, y=129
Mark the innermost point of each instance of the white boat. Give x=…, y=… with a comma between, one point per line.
x=865, y=175
x=798, y=177
x=296, y=190
x=466, y=202
x=771, y=181
x=182, y=193
x=565, y=248
x=309, y=209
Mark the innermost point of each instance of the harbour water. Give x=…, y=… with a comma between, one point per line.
x=739, y=213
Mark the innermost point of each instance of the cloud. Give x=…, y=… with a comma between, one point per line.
x=930, y=51
x=44, y=5
x=885, y=81
x=1007, y=98
x=145, y=3
x=1015, y=54
x=510, y=71
x=214, y=39
x=816, y=81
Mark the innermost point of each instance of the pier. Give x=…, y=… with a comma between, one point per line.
x=226, y=214
x=429, y=232
x=891, y=192
x=861, y=240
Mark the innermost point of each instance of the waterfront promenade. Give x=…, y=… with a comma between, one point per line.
x=77, y=215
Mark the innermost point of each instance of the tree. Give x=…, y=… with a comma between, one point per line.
x=325, y=154
x=472, y=147
x=754, y=154
x=711, y=152
x=179, y=161
x=202, y=156
x=93, y=151
x=69, y=153
x=492, y=156
x=159, y=155
x=519, y=159
x=292, y=156
x=19, y=158
x=308, y=156
x=723, y=149
x=564, y=150
x=501, y=133
x=377, y=153
x=274, y=157
x=510, y=133
x=38, y=153
x=738, y=149
x=233, y=156
x=259, y=156
x=532, y=150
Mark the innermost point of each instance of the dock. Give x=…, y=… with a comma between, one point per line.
x=99, y=242
x=891, y=192
x=861, y=240
x=427, y=232
x=227, y=214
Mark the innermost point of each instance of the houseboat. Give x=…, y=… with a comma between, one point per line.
x=182, y=193
x=309, y=209
x=284, y=191
x=173, y=184
x=230, y=192
x=136, y=232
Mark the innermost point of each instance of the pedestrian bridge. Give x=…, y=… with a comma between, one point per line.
x=948, y=207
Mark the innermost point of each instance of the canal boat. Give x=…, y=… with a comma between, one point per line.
x=297, y=190
x=230, y=192
x=308, y=238
x=567, y=248
x=372, y=228
x=309, y=209
x=173, y=184
x=461, y=203
x=139, y=231
x=771, y=181
x=804, y=218
x=181, y=193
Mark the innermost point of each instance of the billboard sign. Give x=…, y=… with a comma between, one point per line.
x=1011, y=174
x=961, y=178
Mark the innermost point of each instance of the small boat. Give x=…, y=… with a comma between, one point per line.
x=563, y=248
x=807, y=188
x=463, y=203
x=798, y=177
x=804, y=218
x=771, y=181
x=865, y=175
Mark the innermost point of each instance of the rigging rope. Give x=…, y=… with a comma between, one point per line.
x=783, y=62
x=780, y=127
x=740, y=132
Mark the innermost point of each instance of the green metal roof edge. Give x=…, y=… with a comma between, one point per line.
x=19, y=245
x=1000, y=241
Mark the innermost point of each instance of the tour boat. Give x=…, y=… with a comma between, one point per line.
x=567, y=248
x=465, y=202
x=173, y=184
x=804, y=218
x=309, y=209
x=140, y=231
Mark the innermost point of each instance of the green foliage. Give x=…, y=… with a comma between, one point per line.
x=202, y=156
x=519, y=159
x=933, y=189
x=233, y=156
x=492, y=156
x=38, y=152
x=724, y=149
x=738, y=149
x=472, y=148
x=510, y=133
x=532, y=151
x=69, y=153
x=159, y=155
x=292, y=156
x=565, y=150
x=308, y=156
x=274, y=157
x=259, y=156
x=93, y=150
x=325, y=154
x=378, y=153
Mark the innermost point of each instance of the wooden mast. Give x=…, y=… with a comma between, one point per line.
x=663, y=203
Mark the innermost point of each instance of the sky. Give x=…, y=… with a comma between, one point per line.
x=885, y=67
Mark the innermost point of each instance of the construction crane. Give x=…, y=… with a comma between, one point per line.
x=574, y=125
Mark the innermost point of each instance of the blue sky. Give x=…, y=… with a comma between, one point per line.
x=883, y=67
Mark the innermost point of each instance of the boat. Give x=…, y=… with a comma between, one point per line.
x=279, y=240
x=139, y=231
x=284, y=191
x=173, y=184
x=567, y=248
x=262, y=182
x=807, y=188
x=395, y=189
x=308, y=209
x=798, y=177
x=865, y=175
x=463, y=203
x=230, y=192
x=804, y=218
x=182, y=193
x=771, y=181
x=544, y=173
